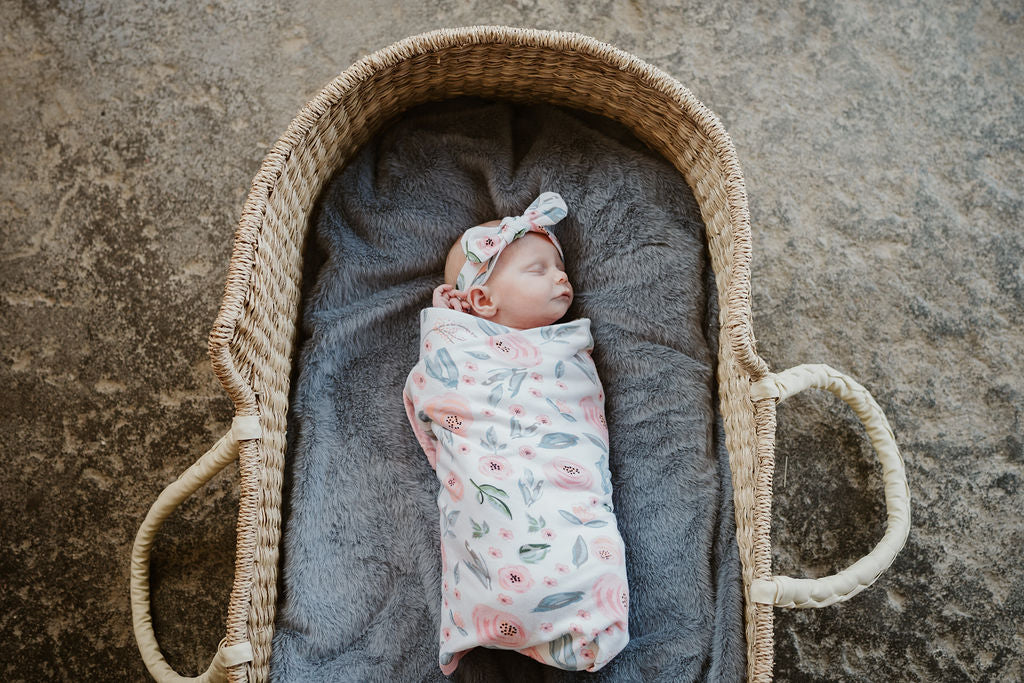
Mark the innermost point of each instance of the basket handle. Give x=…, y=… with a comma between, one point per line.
x=213, y=461
x=784, y=591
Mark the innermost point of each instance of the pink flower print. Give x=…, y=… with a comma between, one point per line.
x=561, y=568
x=495, y=466
x=488, y=412
x=457, y=594
x=485, y=247
x=515, y=577
x=568, y=474
x=466, y=379
x=563, y=408
x=576, y=628
x=454, y=486
x=536, y=376
x=587, y=653
x=506, y=534
x=612, y=596
x=535, y=393
x=583, y=614
x=515, y=349
x=444, y=584
x=450, y=411
x=464, y=449
x=446, y=602
x=606, y=550
x=499, y=629
x=600, y=396
x=471, y=366
x=457, y=620
x=428, y=346
x=546, y=627
x=444, y=560
x=561, y=385
x=419, y=380
x=543, y=419
x=447, y=633
x=594, y=414
x=583, y=513
x=594, y=500
x=493, y=552
x=517, y=410
x=548, y=581
x=547, y=533
x=527, y=452
x=504, y=599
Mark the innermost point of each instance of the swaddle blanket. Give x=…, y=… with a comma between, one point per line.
x=513, y=423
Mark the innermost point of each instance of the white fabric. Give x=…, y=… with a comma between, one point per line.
x=513, y=423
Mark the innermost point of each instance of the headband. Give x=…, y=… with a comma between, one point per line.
x=483, y=244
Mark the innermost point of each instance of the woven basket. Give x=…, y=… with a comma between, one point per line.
x=252, y=342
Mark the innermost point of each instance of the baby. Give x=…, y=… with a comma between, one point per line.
x=509, y=410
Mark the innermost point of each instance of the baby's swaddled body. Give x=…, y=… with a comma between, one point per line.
x=512, y=421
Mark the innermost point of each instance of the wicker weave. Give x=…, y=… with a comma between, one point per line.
x=252, y=342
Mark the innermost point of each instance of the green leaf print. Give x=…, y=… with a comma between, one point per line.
x=559, y=369
x=455, y=573
x=479, y=530
x=516, y=382
x=594, y=523
x=561, y=651
x=584, y=367
x=567, y=416
x=530, y=489
x=558, y=440
x=491, y=329
x=536, y=524
x=443, y=369
x=493, y=495
x=478, y=355
x=494, y=398
x=478, y=567
x=451, y=616
x=534, y=552
x=497, y=376
x=579, y=551
x=557, y=601
x=596, y=441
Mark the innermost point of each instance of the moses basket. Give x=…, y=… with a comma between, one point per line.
x=252, y=344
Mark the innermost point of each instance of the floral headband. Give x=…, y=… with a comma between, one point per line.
x=484, y=244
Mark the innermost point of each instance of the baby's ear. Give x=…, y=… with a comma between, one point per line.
x=480, y=300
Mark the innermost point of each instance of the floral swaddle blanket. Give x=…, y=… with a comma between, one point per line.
x=512, y=421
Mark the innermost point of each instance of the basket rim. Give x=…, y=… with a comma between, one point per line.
x=738, y=310
x=735, y=320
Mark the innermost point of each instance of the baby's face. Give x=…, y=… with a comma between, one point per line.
x=528, y=287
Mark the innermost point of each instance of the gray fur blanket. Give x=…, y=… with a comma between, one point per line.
x=360, y=586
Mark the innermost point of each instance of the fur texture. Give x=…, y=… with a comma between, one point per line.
x=361, y=565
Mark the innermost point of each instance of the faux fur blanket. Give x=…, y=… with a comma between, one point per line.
x=361, y=565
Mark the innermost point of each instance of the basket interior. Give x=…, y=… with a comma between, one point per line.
x=254, y=343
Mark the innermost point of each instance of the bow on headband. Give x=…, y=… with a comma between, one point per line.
x=484, y=244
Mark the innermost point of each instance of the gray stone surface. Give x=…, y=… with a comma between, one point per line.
x=882, y=149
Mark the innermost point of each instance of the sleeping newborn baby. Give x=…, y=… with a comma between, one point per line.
x=509, y=410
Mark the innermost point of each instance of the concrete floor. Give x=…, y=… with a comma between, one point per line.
x=882, y=149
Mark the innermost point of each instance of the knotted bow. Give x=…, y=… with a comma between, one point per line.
x=483, y=244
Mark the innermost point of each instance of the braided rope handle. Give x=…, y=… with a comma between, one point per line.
x=784, y=591
x=213, y=461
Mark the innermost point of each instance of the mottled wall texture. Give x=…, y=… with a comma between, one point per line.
x=881, y=144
